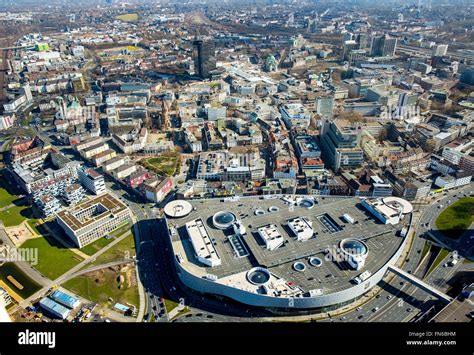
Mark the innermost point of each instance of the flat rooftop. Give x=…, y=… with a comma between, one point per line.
x=106, y=205
x=331, y=276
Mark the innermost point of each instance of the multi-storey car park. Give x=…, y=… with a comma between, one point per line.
x=284, y=252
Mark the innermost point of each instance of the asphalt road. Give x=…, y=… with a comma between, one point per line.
x=398, y=296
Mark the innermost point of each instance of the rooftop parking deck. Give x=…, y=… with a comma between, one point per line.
x=331, y=276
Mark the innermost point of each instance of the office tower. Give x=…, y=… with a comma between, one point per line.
x=348, y=47
x=204, y=57
x=363, y=40
x=340, y=145
x=467, y=76
x=376, y=46
x=389, y=47
x=383, y=46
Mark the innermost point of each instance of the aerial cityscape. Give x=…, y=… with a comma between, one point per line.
x=236, y=161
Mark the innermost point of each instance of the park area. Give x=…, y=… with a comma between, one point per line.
x=457, y=218
x=107, y=286
x=15, y=215
x=6, y=198
x=166, y=165
x=124, y=249
x=53, y=258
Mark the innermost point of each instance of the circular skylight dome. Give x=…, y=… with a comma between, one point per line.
x=306, y=203
x=258, y=276
x=299, y=266
x=223, y=219
x=314, y=261
x=354, y=247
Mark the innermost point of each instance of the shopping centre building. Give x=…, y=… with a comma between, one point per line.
x=285, y=252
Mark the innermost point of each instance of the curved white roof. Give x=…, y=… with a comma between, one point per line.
x=406, y=206
x=178, y=208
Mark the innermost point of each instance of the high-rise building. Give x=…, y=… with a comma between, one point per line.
x=467, y=76
x=376, y=46
x=363, y=40
x=383, y=46
x=204, y=57
x=389, y=47
x=340, y=144
x=348, y=47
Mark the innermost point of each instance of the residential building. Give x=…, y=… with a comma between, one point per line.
x=92, y=180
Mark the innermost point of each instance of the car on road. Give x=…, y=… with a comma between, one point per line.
x=375, y=309
x=389, y=297
x=360, y=317
x=358, y=309
x=409, y=309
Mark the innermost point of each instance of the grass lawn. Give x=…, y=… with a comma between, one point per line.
x=170, y=305
x=53, y=259
x=98, y=286
x=425, y=250
x=441, y=255
x=94, y=247
x=127, y=17
x=13, y=216
x=117, y=252
x=163, y=165
x=34, y=225
x=5, y=197
x=457, y=218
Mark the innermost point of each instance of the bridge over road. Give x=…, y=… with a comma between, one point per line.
x=421, y=284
